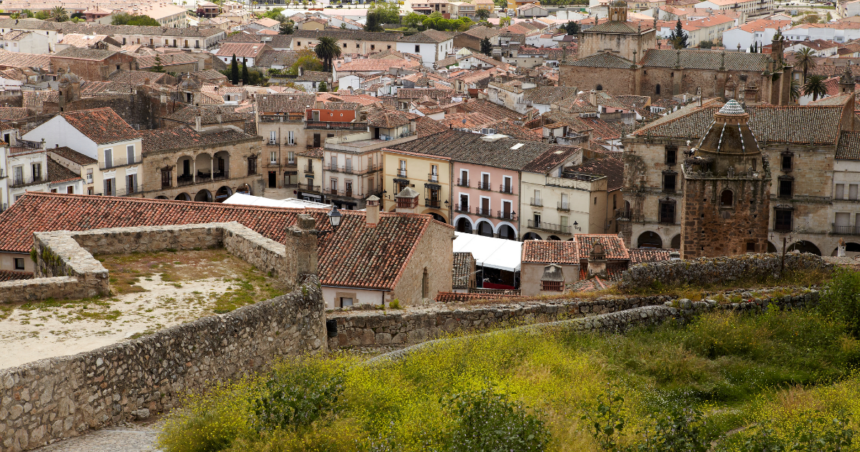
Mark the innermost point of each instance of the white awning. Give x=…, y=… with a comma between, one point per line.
x=490, y=252
x=249, y=200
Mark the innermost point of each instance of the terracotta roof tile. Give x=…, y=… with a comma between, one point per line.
x=463, y=265
x=72, y=155
x=612, y=244
x=550, y=252
x=8, y=275
x=101, y=125
x=639, y=255
x=58, y=173
x=158, y=140
x=849, y=146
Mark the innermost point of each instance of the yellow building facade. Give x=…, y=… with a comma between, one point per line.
x=429, y=175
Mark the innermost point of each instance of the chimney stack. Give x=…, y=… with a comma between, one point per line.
x=597, y=261
x=198, y=123
x=302, y=254
x=372, y=211
x=407, y=201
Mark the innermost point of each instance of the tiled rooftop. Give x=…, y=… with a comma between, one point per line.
x=8, y=275
x=849, y=146
x=463, y=264
x=58, y=173
x=612, y=245
x=102, y=125
x=641, y=256
x=73, y=155
x=178, y=138
x=550, y=252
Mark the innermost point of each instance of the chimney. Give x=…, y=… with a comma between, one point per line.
x=372, y=211
x=301, y=71
x=302, y=254
x=197, y=123
x=597, y=261
x=592, y=97
x=407, y=201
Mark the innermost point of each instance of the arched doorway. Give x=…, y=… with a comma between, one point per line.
x=676, y=242
x=223, y=193
x=464, y=226
x=244, y=189
x=599, y=87
x=203, y=196
x=805, y=247
x=183, y=197
x=161, y=197
x=438, y=218
x=531, y=236
x=485, y=229
x=649, y=240
x=553, y=237
x=771, y=248
x=507, y=232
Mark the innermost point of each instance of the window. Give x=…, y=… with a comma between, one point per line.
x=507, y=186
x=785, y=188
x=536, y=200
x=53, y=190
x=345, y=301
x=344, y=45
x=129, y=150
x=726, y=198
x=273, y=157
x=372, y=47
x=90, y=176
x=840, y=191
x=252, y=166
x=671, y=154
x=334, y=185
x=108, y=158
x=90, y=190
x=669, y=181
x=37, y=172
x=464, y=178
x=19, y=263
x=552, y=286
x=786, y=162
x=667, y=212
x=70, y=190
x=750, y=247
x=291, y=138
x=425, y=285
x=417, y=49
x=291, y=157
x=110, y=187
x=782, y=220
x=166, y=178
x=272, y=138
x=657, y=89
x=131, y=183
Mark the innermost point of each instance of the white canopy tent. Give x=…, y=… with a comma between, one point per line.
x=249, y=200
x=490, y=252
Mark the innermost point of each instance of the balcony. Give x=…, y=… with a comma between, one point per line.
x=22, y=181
x=320, y=125
x=485, y=186
x=463, y=182
x=272, y=164
x=484, y=212
x=349, y=169
x=309, y=169
x=464, y=208
x=433, y=177
x=401, y=173
x=271, y=142
x=845, y=230
x=509, y=189
x=291, y=163
x=622, y=214
x=185, y=179
x=434, y=203
x=561, y=229
x=563, y=206
x=221, y=175
x=502, y=215
x=537, y=202
x=116, y=163
x=309, y=188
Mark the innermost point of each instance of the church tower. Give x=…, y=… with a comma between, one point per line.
x=726, y=204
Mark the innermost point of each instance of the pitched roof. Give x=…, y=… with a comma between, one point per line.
x=167, y=60
x=285, y=58
x=9, y=275
x=706, y=59
x=612, y=245
x=463, y=264
x=376, y=65
x=611, y=167
x=431, y=36
x=507, y=127
x=14, y=113
x=72, y=155
x=426, y=126
x=640, y=255
x=482, y=32
x=25, y=60
x=209, y=114
x=611, y=27
x=242, y=50
x=137, y=77
x=603, y=59
x=356, y=35
x=177, y=138
x=849, y=146
x=550, y=252
x=284, y=103
x=490, y=109
x=548, y=94
x=80, y=53
x=102, y=125
x=388, y=119
x=802, y=125
x=353, y=255
x=58, y=173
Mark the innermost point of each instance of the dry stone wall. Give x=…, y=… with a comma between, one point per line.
x=58, y=398
x=712, y=270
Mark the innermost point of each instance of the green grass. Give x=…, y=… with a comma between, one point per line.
x=738, y=369
x=251, y=287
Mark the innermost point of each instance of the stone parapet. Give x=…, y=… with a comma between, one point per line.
x=58, y=398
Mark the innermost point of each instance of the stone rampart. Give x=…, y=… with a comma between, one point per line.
x=373, y=329
x=58, y=398
x=713, y=270
x=266, y=254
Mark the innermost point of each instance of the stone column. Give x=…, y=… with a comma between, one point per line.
x=193, y=168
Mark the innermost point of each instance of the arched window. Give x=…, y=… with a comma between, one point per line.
x=599, y=87
x=657, y=89
x=726, y=198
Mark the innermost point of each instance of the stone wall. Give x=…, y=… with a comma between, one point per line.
x=712, y=270
x=58, y=398
x=372, y=329
x=147, y=239
x=266, y=254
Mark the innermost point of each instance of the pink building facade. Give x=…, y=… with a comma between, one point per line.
x=485, y=200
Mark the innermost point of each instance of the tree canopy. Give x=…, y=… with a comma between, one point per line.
x=327, y=50
x=387, y=13
x=287, y=27
x=373, y=23
x=128, y=19
x=678, y=38
x=486, y=47
x=436, y=21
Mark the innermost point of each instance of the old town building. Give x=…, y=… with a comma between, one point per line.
x=280, y=121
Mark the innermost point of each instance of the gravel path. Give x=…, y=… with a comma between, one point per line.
x=130, y=438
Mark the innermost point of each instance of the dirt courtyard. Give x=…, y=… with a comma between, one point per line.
x=150, y=291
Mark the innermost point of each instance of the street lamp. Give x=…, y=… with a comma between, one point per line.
x=334, y=217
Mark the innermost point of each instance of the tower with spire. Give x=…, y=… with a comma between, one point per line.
x=727, y=180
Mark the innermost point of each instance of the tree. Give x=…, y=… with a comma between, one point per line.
x=504, y=21
x=287, y=28
x=571, y=28
x=482, y=14
x=413, y=20
x=307, y=60
x=42, y=15
x=327, y=50
x=322, y=88
x=245, y=77
x=387, y=13
x=805, y=60
x=128, y=19
x=372, y=23
x=678, y=38
x=814, y=87
x=795, y=90
x=59, y=14
x=486, y=47
x=706, y=45
x=234, y=71
x=158, y=67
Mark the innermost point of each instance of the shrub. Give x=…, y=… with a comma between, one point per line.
x=395, y=304
x=488, y=421
x=841, y=299
x=299, y=393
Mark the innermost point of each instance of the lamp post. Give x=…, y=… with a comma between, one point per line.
x=334, y=217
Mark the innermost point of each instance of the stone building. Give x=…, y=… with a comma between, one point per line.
x=617, y=36
x=726, y=184
x=92, y=64
x=812, y=150
x=200, y=164
x=280, y=121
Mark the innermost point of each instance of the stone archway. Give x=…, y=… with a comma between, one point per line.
x=676, y=242
x=649, y=239
x=162, y=197
x=485, y=229
x=507, y=232
x=804, y=247
x=464, y=225
x=438, y=218
x=203, y=196
x=183, y=197
x=553, y=237
x=223, y=193
x=531, y=236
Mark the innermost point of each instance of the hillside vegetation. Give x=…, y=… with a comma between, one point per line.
x=776, y=381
